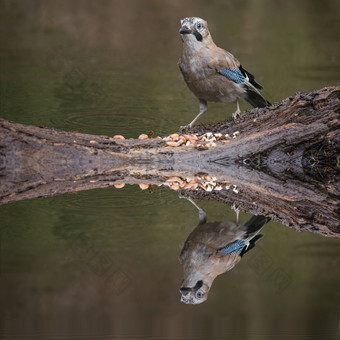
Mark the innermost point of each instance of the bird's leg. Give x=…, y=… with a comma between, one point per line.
x=238, y=111
x=202, y=215
x=203, y=110
x=237, y=211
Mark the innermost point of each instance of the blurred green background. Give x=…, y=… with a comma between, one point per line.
x=104, y=263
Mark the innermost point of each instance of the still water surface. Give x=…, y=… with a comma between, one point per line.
x=103, y=264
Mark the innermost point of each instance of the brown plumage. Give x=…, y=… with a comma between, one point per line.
x=212, y=73
x=209, y=252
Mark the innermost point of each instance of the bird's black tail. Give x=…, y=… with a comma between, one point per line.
x=254, y=97
x=254, y=224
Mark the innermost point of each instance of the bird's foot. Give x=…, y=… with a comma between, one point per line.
x=180, y=194
x=236, y=113
x=183, y=129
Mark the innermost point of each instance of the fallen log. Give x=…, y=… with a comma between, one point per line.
x=281, y=161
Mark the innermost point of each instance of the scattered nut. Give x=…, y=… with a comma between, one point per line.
x=191, y=185
x=173, y=144
x=174, y=186
x=236, y=191
x=202, y=186
x=143, y=136
x=210, y=187
x=210, y=144
x=174, y=179
x=174, y=136
x=208, y=183
x=144, y=186
x=192, y=141
x=118, y=137
x=167, y=138
x=119, y=185
x=191, y=137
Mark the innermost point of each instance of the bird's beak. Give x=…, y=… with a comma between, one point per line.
x=185, y=290
x=185, y=30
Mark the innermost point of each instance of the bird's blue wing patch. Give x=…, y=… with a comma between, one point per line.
x=233, y=74
x=234, y=248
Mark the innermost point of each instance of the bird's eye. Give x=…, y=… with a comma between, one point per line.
x=199, y=26
x=199, y=295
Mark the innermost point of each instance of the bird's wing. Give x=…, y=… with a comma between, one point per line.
x=233, y=74
x=239, y=75
x=246, y=241
x=251, y=78
x=251, y=244
x=216, y=235
x=231, y=68
x=234, y=248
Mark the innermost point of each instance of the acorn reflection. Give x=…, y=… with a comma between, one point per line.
x=212, y=249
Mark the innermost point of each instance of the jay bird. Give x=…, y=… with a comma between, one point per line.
x=212, y=249
x=212, y=73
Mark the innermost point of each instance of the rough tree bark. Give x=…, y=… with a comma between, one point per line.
x=284, y=161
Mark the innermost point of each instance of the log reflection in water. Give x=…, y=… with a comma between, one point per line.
x=281, y=162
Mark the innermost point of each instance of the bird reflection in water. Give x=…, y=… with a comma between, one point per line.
x=212, y=249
